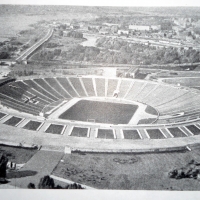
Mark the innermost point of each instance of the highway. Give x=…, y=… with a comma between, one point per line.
x=30, y=50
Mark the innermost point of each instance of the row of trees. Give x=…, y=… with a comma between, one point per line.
x=119, y=51
x=47, y=182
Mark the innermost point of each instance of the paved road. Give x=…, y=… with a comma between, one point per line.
x=30, y=50
x=41, y=164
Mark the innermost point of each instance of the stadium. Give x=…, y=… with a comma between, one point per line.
x=99, y=114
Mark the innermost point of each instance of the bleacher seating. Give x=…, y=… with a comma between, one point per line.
x=64, y=82
x=100, y=87
x=77, y=85
x=55, y=84
x=112, y=86
x=88, y=83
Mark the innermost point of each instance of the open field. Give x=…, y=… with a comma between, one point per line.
x=102, y=112
x=128, y=171
x=16, y=154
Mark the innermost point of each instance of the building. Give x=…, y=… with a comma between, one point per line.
x=139, y=28
x=122, y=32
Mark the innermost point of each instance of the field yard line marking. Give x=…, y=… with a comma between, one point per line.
x=71, y=182
x=131, y=85
x=94, y=85
x=62, y=86
x=83, y=86
x=72, y=86
x=52, y=88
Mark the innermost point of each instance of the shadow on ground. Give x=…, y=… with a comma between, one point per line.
x=20, y=174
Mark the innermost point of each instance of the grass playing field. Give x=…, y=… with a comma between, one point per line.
x=101, y=112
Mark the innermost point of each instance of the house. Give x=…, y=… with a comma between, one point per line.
x=139, y=27
x=122, y=32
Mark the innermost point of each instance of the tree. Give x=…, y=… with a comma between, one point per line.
x=3, y=164
x=46, y=183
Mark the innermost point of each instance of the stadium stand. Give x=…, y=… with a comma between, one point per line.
x=112, y=86
x=64, y=82
x=88, y=84
x=100, y=87
x=131, y=134
x=77, y=85
x=51, y=90
x=37, y=87
x=53, y=82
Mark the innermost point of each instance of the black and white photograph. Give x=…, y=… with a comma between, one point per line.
x=100, y=96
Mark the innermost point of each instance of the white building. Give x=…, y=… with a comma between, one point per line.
x=122, y=32
x=139, y=28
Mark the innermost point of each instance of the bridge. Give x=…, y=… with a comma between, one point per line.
x=23, y=57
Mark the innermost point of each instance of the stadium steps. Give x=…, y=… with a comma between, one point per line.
x=68, y=130
x=119, y=134
x=112, y=86
x=135, y=89
x=100, y=87
x=47, y=92
x=146, y=90
x=65, y=84
x=89, y=86
x=143, y=134
x=6, y=118
x=186, y=131
x=166, y=132
x=54, y=83
x=42, y=97
x=23, y=123
x=48, y=88
x=95, y=86
x=35, y=86
x=77, y=86
x=126, y=92
x=93, y=133
x=83, y=86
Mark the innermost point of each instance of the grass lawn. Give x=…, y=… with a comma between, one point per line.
x=128, y=171
x=102, y=112
x=13, y=121
x=17, y=155
x=32, y=125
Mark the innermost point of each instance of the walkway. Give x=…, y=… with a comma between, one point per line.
x=41, y=164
